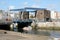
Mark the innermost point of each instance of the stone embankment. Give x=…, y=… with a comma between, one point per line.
x=46, y=25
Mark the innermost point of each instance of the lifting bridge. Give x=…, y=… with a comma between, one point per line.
x=22, y=23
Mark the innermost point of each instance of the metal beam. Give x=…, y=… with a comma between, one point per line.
x=35, y=8
x=28, y=8
x=17, y=10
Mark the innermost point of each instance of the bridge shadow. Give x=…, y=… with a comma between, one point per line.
x=4, y=26
x=22, y=25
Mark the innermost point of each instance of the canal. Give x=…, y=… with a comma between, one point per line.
x=54, y=35
x=50, y=33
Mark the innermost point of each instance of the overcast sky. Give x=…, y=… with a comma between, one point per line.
x=14, y=4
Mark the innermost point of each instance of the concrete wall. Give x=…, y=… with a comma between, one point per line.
x=47, y=15
x=48, y=24
x=25, y=15
x=43, y=15
x=40, y=14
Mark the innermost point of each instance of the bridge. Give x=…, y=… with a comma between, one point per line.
x=21, y=23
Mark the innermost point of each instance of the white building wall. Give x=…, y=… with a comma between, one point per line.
x=53, y=15
x=58, y=15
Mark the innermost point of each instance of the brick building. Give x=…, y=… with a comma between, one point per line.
x=43, y=15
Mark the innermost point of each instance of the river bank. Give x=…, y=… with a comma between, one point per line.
x=20, y=36
x=46, y=25
x=49, y=28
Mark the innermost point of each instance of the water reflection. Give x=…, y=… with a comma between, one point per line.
x=35, y=32
x=54, y=35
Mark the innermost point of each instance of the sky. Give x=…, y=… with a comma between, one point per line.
x=15, y=4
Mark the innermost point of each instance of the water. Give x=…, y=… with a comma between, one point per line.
x=45, y=32
x=52, y=34
x=55, y=34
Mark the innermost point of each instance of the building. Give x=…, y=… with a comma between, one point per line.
x=1, y=14
x=43, y=15
x=39, y=13
x=32, y=15
x=58, y=15
x=24, y=15
x=55, y=16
